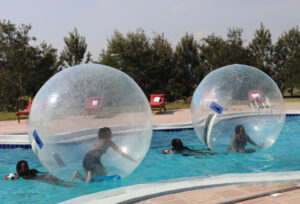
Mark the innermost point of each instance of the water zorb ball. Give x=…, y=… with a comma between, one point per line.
x=70, y=109
x=235, y=96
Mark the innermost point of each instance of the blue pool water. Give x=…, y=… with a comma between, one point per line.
x=284, y=155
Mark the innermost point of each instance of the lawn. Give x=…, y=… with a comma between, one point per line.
x=10, y=116
x=292, y=100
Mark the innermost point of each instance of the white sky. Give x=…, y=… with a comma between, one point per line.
x=51, y=20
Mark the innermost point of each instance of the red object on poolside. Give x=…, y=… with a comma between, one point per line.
x=157, y=100
x=94, y=103
x=24, y=112
x=255, y=95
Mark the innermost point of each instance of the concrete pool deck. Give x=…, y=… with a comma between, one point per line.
x=210, y=194
x=179, y=116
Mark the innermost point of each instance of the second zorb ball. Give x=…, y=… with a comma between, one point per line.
x=236, y=102
x=90, y=117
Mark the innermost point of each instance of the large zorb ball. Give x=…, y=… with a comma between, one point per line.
x=235, y=96
x=70, y=109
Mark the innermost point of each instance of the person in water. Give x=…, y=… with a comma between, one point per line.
x=240, y=140
x=178, y=147
x=92, y=160
x=25, y=172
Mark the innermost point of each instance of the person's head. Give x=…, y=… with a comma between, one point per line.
x=239, y=129
x=177, y=144
x=104, y=133
x=23, y=168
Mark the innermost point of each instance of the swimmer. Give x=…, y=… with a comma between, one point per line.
x=178, y=147
x=24, y=172
x=92, y=160
x=240, y=140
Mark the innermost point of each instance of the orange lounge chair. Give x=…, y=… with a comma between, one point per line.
x=158, y=100
x=24, y=112
x=255, y=95
x=94, y=103
x=257, y=101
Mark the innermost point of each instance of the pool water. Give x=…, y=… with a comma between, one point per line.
x=284, y=155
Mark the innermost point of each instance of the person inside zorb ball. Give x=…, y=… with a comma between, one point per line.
x=237, y=108
x=90, y=121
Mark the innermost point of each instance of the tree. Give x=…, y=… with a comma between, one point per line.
x=262, y=50
x=74, y=50
x=162, y=65
x=147, y=61
x=187, y=72
x=217, y=52
x=213, y=52
x=285, y=58
x=131, y=55
x=236, y=52
x=23, y=68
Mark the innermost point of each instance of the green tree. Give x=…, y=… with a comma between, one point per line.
x=162, y=65
x=74, y=50
x=147, y=61
x=213, y=52
x=235, y=50
x=132, y=55
x=262, y=50
x=285, y=58
x=187, y=72
x=217, y=52
x=23, y=68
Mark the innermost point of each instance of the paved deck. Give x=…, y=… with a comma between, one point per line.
x=223, y=194
x=169, y=117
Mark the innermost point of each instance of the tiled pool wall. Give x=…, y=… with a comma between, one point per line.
x=13, y=146
x=169, y=128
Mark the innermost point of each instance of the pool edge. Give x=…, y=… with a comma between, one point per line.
x=140, y=192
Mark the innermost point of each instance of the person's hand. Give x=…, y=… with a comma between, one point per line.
x=166, y=151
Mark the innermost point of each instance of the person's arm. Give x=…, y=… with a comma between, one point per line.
x=117, y=149
x=192, y=150
x=6, y=178
x=232, y=147
x=35, y=172
x=253, y=143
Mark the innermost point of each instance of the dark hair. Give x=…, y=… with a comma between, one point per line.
x=237, y=129
x=104, y=133
x=177, y=144
x=19, y=165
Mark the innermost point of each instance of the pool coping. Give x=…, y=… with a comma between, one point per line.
x=141, y=192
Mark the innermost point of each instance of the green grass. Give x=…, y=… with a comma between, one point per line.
x=291, y=100
x=10, y=116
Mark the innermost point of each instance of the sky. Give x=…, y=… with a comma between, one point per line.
x=97, y=20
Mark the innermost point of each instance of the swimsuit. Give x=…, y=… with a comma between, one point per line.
x=241, y=141
x=91, y=161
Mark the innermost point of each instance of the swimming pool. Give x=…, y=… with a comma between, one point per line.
x=284, y=155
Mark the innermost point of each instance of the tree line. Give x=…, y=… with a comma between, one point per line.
x=152, y=62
